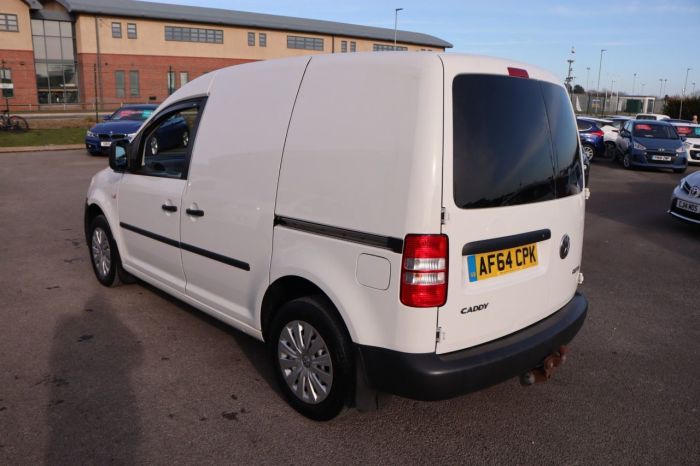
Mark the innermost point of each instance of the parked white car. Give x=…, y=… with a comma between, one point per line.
x=691, y=133
x=364, y=215
x=651, y=116
x=685, y=200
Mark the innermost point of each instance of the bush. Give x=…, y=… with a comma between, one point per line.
x=691, y=106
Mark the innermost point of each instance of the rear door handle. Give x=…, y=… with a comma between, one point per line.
x=169, y=208
x=195, y=212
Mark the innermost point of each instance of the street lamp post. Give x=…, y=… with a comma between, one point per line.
x=693, y=91
x=661, y=86
x=588, y=73
x=664, y=91
x=600, y=65
x=634, y=79
x=685, y=85
x=642, y=91
x=396, y=24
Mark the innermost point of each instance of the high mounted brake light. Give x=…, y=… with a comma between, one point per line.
x=424, y=271
x=518, y=72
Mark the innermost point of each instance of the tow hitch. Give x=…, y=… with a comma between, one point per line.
x=543, y=372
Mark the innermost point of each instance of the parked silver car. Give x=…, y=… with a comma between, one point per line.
x=685, y=200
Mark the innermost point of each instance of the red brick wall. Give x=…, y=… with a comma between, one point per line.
x=152, y=75
x=22, y=65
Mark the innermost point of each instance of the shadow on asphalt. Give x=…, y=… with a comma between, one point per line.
x=254, y=350
x=92, y=410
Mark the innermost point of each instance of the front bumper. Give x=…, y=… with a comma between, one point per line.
x=683, y=214
x=431, y=376
x=640, y=158
x=94, y=146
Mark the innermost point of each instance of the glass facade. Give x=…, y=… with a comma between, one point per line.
x=54, y=60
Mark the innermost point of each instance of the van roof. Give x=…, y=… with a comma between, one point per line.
x=456, y=62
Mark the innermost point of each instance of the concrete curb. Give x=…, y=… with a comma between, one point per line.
x=4, y=150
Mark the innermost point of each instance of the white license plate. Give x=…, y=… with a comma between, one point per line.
x=105, y=143
x=663, y=158
x=690, y=207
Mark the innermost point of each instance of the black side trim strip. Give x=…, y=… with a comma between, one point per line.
x=506, y=242
x=188, y=247
x=369, y=239
x=148, y=234
x=217, y=257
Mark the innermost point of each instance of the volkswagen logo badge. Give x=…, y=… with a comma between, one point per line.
x=564, y=246
x=695, y=191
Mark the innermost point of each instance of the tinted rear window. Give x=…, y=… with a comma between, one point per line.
x=515, y=142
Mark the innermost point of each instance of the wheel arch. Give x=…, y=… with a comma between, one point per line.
x=287, y=288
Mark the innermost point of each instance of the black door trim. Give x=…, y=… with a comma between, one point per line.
x=188, y=247
x=506, y=242
x=369, y=239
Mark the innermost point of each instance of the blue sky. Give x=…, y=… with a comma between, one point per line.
x=653, y=38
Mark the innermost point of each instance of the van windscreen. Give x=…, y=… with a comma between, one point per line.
x=515, y=142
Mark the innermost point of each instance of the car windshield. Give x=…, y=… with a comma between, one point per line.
x=138, y=114
x=644, y=130
x=688, y=131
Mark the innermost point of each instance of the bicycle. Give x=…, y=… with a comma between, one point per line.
x=13, y=123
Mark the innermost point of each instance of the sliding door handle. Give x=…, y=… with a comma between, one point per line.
x=195, y=212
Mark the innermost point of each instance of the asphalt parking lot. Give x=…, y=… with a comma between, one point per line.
x=130, y=376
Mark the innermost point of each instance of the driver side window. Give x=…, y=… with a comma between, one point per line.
x=166, y=145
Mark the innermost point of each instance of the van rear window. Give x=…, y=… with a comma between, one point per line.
x=515, y=142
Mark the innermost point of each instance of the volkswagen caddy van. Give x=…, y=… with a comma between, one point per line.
x=405, y=223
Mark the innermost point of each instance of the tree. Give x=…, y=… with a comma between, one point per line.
x=578, y=89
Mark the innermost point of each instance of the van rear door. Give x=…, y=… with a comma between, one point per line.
x=512, y=191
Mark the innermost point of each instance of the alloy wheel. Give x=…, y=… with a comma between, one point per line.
x=101, y=252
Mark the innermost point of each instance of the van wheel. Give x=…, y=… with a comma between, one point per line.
x=626, y=162
x=312, y=356
x=104, y=255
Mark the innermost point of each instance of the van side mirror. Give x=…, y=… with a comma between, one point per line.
x=118, y=155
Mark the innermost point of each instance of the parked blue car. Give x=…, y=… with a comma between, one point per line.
x=653, y=144
x=592, y=138
x=122, y=124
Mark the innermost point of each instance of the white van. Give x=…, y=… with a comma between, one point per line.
x=409, y=223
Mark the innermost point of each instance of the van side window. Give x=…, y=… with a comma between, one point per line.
x=167, y=143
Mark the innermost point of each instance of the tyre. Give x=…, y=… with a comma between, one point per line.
x=185, y=138
x=588, y=151
x=104, y=255
x=18, y=124
x=312, y=357
x=626, y=161
x=154, y=146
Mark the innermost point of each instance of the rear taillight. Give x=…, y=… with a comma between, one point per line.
x=597, y=132
x=424, y=271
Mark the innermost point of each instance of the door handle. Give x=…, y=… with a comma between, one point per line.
x=169, y=208
x=195, y=212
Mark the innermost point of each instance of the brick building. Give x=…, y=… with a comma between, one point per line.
x=74, y=53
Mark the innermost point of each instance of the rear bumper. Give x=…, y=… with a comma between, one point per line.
x=430, y=376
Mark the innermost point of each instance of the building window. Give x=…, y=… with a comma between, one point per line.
x=306, y=43
x=119, y=83
x=117, y=30
x=391, y=48
x=263, y=39
x=8, y=22
x=251, y=39
x=353, y=46
x=54, y=61
x=134, y=83
x=131, y=30
x=180, y=34
x=343, y=46
x=171, y=82
x=184, y=78
x=6, y=82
